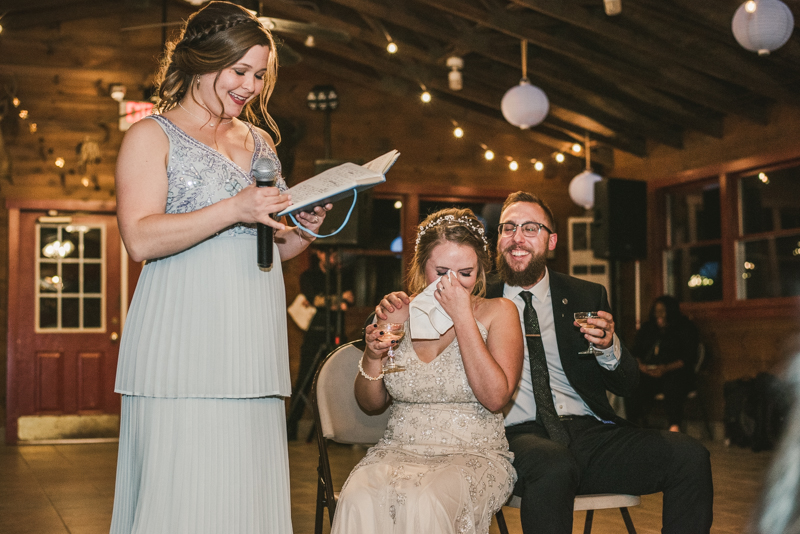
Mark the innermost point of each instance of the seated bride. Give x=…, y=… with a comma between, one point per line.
x=443, y=465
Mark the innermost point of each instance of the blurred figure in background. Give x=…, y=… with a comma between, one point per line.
x=321, y=335
x=666, y=347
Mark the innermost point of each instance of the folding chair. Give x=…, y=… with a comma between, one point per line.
x=590, y=503
x=339, y=418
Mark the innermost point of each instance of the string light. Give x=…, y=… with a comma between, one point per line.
x=425, y=97
x=538, y=165
x=489, y=155
x=559, y=157
x=458, y=132
x=577, y=148
x=391, y=47
x=513, y=165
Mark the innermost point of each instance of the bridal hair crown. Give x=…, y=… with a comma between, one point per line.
x=472, y=224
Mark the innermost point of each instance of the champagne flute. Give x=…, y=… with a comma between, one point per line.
x=392, y=332
x=582, y=318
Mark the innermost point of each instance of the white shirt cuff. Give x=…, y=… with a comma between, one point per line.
x=609, y=358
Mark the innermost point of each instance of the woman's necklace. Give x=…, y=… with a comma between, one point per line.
x=201, y=118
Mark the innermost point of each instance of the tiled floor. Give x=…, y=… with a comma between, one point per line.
x=56, y=489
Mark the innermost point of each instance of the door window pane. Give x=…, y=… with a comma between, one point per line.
x=694, y=274
x=769, y=268
x=69, y=274
x=770, y=201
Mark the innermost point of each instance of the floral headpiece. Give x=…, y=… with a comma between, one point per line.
x=472, y=224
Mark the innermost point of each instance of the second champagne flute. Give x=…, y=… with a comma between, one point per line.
x=392, y=332
x=582, y=318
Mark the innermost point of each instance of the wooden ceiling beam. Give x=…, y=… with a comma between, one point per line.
x=694, y=86
x=565, y=78
x=715, y=60
x=491, y=99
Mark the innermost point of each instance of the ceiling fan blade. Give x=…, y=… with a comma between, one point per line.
x=304, y=28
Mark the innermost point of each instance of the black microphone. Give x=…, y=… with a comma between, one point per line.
x=264, y=172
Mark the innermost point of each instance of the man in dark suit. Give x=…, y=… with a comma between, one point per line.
x=566, y=438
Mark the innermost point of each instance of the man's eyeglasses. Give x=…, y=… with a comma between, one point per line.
x=529, y=229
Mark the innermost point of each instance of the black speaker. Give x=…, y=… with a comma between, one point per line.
x=619, y=230
x=357, y=231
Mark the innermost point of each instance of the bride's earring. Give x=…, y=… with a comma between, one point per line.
x=197, y=81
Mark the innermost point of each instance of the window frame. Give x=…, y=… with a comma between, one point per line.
x=728, y=175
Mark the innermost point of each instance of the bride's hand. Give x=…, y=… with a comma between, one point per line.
x=376, y=349
x=452, y=295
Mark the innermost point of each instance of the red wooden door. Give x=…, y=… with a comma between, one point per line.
x=65, y=317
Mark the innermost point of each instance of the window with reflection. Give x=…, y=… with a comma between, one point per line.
x=768, y=248
x=693, y=255
x=69, y=278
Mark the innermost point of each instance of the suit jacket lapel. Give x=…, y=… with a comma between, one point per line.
x=563, y=319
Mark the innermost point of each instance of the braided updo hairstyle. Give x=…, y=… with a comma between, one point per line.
x=455, y=225
x=213, y=39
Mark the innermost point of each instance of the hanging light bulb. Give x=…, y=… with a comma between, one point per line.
x=577, y=148
x=425, y=97
x=458, y=132
x=559, y=157
x=391, y=47
x=513, y=165
x=538, y=165
x=489, y=155
x=762, y=25
x=581, y=188
x=525, y=105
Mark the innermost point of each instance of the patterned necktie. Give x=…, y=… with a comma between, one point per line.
x=540, y=377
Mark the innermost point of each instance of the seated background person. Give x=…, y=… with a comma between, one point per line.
x=443, y=465
x=666, y=348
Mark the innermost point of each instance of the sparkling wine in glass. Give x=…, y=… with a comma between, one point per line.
x=392, y=332
x=582, y=318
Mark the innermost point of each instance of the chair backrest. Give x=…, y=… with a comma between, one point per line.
x=341, y=419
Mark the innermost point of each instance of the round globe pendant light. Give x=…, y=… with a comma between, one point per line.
x=581, y=188
x=762, y=25
x=525, y=105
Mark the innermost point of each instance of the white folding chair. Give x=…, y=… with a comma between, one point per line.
x=339, y=418
x=590, y=503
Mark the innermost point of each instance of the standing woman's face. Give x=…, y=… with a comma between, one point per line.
x=237, y=85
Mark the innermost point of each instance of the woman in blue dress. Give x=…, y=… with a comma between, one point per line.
x=203, y=365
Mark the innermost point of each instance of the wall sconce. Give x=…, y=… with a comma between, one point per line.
x=117, y=92
x=322, y=98
x=454, y=78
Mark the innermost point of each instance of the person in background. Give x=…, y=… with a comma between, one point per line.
x=203, y=362
x=566, y=438
x=322, y=333
x=443, y=464
x=666, y=348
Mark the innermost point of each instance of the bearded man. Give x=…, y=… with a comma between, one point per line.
x=566, y=438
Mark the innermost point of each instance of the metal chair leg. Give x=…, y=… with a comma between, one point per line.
x=626, y=516
x=501, y=521
x=587, y=527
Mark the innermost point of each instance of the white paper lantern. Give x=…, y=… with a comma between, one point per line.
x=765, y=29
x=581, y=189
x=525, y=105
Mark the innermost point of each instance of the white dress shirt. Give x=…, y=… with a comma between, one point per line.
x=522, y=406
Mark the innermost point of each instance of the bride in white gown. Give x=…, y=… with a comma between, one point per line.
x=443, y=465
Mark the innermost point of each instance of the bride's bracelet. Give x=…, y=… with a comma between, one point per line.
x=365, y=375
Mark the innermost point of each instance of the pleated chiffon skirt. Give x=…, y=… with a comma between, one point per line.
x=189, y=465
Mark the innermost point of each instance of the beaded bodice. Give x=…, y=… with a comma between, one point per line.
x=199, y=176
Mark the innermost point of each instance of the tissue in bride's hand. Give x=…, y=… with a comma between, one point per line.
x=428, y=320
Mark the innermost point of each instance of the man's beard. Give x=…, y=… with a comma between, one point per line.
x=524, y=278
